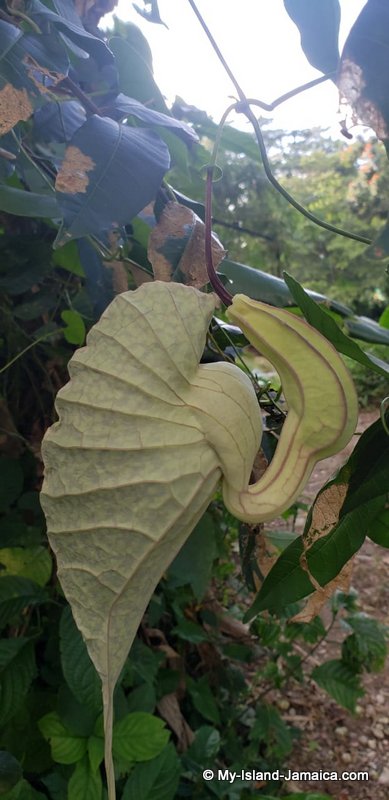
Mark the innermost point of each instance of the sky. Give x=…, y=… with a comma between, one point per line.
x=262, y=47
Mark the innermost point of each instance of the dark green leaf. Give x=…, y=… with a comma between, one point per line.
x=205, y=746
x=128, y=106
x=190, y=631
x=10, y=771
x=78, y=670
x=58, y=121
x=318, y=22
x=15, y=681
x=133, y=62
x=366, y=329
x=366, y=647
x=28, y=204
x=193, y=564
x=69, y=24
x=156, y=779
x=270, y=729
x=203, y=699
x=285, y=583
x=143, y=698
x=11, y=481
x=261, y=286
x=328, y=327
x=17, y=594
x=339, y=681
x=32, y=309
x=379, y=528
x=121, y=169
x=330, y=553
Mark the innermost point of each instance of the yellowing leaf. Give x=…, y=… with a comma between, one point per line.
x=145, y=432
x=135, y=459
x=28, y=562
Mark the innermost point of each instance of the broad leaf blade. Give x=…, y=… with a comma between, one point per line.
x=28, y=204
x=109, y=173
x=156, y=779
x=340, y=682
x=268, y=288
x=131, y=465
x=318, y=22
x=78, y=670
x=364, y=75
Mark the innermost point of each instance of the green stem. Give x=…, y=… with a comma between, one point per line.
x=26, y=349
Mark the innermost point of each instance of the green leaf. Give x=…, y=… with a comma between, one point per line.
x=10, y=771
x=28, y=204
x=127, y=105
x=156, y=779
x=270, y=729
x=9, y=648
x=69, y=23
x=366, y=648
x=328, y=327
x=362, y=75
x=379, y=528
x=85, y=784
x=384, y=318
x=203, y=699
x=65, y=747
x=285, y=583
x=27, y=562
x=11, y=481
x=190, y=631
x=205, y=746
x=339, y=681
x=134, y=64
x=74, y=332
x=366, y=329
x=15, y=595
x=95, y=747
x=193, y=564
x=109, y=173
x=139, y=737
x=78, y=670
x=67, y=257
x=15, y=681
x=318, y=22
x=261, y=286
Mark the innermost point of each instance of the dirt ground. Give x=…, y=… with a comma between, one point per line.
x=334, y=739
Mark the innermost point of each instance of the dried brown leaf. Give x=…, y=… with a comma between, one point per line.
x=169, y=709
x=72, y=177
x=177, y=247
x=15, y=106
x=325, y=515
x=352, y=85
x=320, y=596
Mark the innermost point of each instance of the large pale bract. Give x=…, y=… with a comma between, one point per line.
x=130, y=466
x=145, y=433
